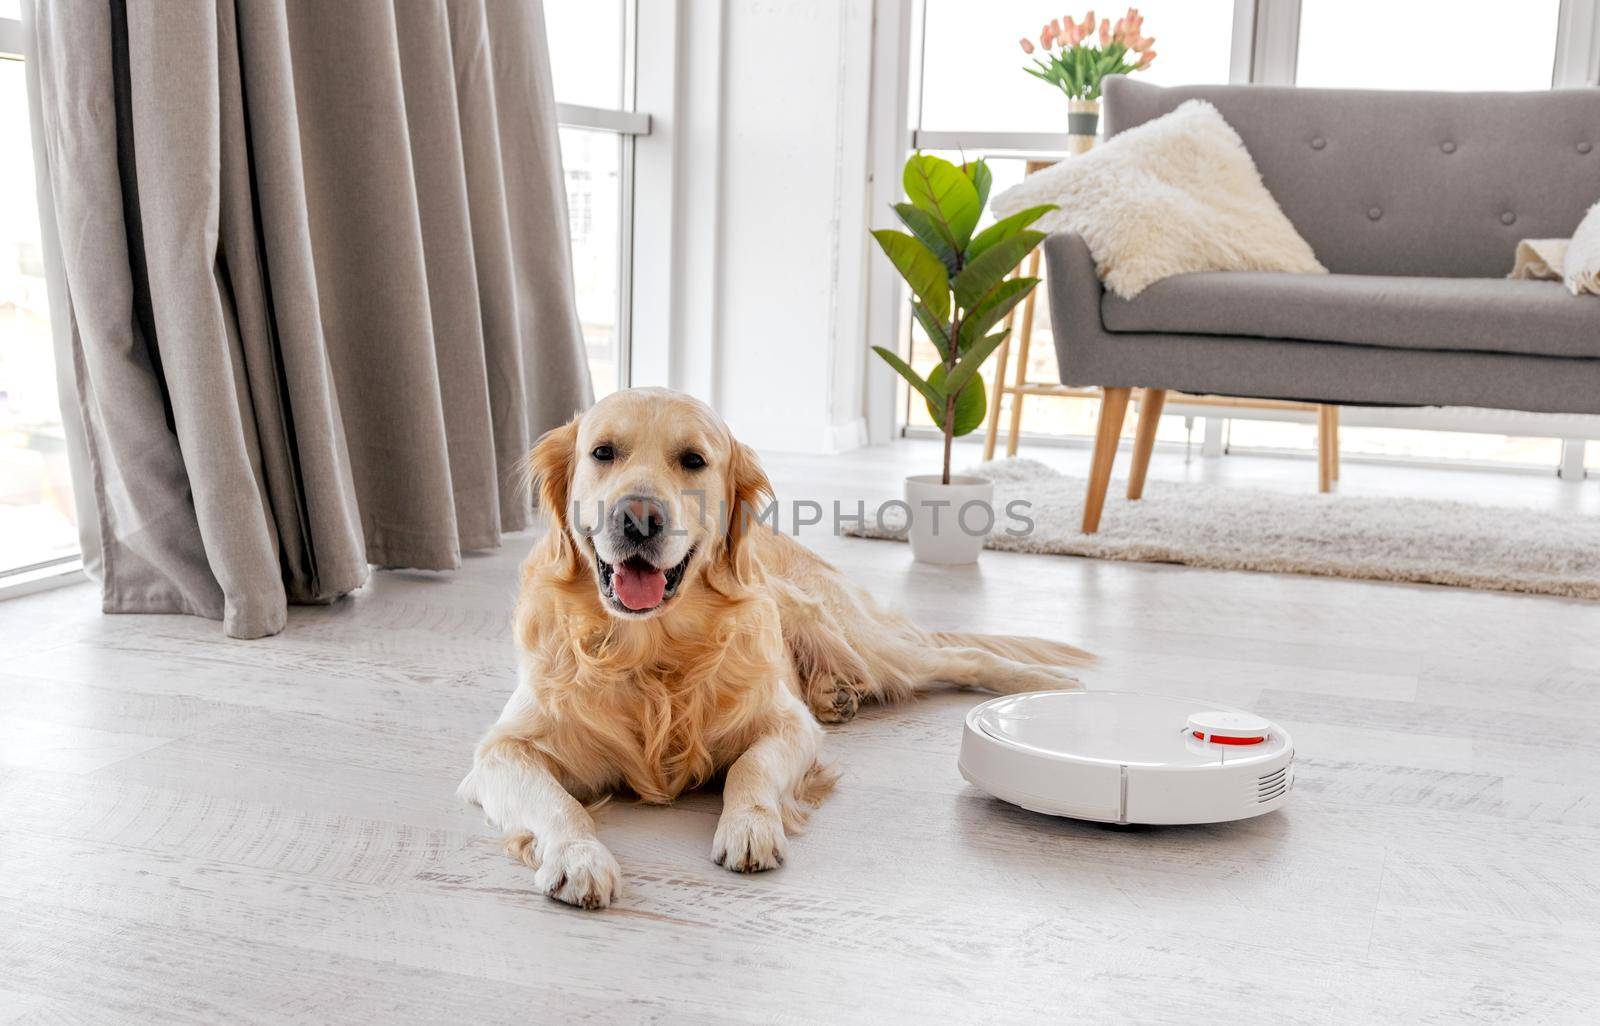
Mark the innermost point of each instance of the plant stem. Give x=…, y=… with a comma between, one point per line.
x=949, y=433
x=950, y=360
x=950, y=399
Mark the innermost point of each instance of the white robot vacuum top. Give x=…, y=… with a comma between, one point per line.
x=1121, y=757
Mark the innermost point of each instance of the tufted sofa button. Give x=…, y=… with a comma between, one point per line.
x=1318, y=143
x=1374, y=213
x=1585, y=147
x=1448, y=147
x=1508, y=218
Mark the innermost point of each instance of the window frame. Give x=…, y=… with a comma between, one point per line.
x=57, y=571
x=629, y=125
x=1577, y=62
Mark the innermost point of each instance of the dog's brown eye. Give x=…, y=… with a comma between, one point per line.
x=604, y=453
x=692, y=461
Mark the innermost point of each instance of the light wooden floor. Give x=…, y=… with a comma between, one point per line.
x=199, y=830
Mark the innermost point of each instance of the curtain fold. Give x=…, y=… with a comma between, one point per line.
x=316, y=288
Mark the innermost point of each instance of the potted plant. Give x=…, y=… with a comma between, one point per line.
x=1083, y=60
x=960, y=291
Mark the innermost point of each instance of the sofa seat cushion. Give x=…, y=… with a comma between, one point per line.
x=1499, y=315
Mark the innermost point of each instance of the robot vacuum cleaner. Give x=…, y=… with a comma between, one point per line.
x=1120, y=757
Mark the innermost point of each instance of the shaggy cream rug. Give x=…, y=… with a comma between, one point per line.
x=1382, y=539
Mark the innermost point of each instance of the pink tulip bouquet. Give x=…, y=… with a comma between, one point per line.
x=1076, y=57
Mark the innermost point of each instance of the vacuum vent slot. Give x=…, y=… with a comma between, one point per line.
x=1270, y=786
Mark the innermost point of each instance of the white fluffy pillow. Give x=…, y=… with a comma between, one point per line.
x=1176, y=194
x=1580, y=269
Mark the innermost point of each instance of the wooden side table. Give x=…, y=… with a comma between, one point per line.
x=1151, y=400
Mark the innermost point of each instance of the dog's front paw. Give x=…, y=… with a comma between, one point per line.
x=749, y=839
x=580, y=872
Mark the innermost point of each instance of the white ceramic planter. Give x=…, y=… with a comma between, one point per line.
x=949, y=521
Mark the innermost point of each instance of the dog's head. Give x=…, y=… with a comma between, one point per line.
x=647, y=490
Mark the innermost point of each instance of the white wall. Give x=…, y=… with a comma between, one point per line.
x=753, y=191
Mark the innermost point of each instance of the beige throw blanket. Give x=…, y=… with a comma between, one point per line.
x=1574, y=262
x=1540, y=259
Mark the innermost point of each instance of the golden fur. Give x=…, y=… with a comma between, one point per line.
x=718, y=678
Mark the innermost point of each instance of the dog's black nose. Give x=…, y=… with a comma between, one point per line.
x=642, y=518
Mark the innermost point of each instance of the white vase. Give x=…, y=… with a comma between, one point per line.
x=949, y=522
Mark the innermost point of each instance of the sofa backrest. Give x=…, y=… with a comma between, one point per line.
x=1406, y=183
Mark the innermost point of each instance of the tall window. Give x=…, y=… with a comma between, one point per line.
x=970, y=97
x=1434, y=44
x=1427, y=44
x=971, y=71
x=591, y=59
x=971, y=85
x=37, y=522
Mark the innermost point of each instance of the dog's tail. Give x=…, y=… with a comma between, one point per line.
x=1016, y=647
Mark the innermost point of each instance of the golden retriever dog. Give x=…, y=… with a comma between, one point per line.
x=668, y=637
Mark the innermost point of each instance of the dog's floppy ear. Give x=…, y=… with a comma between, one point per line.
x=551, y=465
x=747, y=487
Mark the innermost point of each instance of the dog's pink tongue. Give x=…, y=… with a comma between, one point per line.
x=638, y=585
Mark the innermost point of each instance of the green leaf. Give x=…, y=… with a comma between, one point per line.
x=982, y=276
x=1005, y=228
x=967, y=369
x=971, y=404
x=938, y=187
x=938, y=331
x=924, y=272
x=978, y=174
x=1011, y=292
x=927, y=230
x=927, y=391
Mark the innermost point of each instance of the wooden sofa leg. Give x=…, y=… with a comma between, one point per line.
x=1144, y=440
x=1324, y=449
x=1333, y=450
x=1113, y=408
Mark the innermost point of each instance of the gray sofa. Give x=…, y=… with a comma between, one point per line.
x=1415, y=203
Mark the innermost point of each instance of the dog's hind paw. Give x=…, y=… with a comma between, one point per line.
x=835, y=701
x=749, y=839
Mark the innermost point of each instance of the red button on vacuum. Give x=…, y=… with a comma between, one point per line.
x=1220, y=740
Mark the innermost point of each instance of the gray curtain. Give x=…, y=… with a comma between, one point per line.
x=311, y=284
